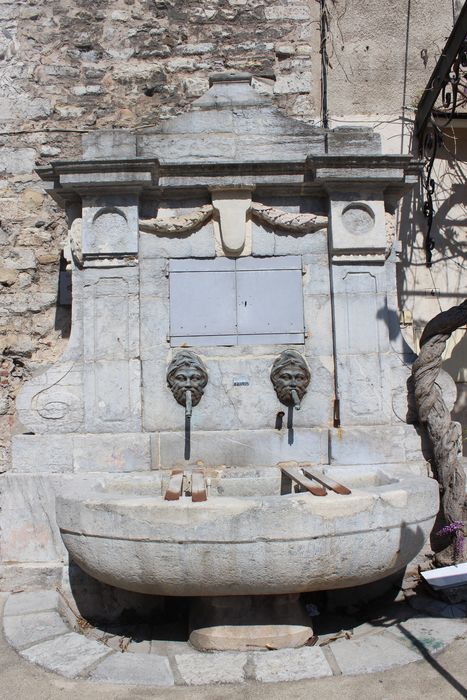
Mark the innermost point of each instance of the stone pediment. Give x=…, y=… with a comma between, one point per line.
x=233, y=122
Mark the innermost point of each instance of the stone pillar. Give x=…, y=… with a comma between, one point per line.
x=360, y=310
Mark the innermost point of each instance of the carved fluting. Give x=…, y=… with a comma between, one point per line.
x=444, y=434
x=287, y=221
x=176, y=225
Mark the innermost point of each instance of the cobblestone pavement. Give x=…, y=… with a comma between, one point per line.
x=403, y=637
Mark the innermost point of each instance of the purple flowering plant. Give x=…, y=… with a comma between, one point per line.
x=456, y=529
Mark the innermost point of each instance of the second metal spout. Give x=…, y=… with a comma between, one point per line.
x=295, y=399
x=188, y=404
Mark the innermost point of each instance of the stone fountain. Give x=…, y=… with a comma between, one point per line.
x=228, y=421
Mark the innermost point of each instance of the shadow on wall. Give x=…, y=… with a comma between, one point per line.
x=453, y=365
x=448, y=230
x=62, y=321
x=446, y=278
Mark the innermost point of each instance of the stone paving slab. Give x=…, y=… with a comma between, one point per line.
x=30, y=602
x=31, y=618
x=371, y=654
x=134, y=669
x=431, y=634
x=281, y=665
x=24, y=630
x=217, y=667
x=68, y=655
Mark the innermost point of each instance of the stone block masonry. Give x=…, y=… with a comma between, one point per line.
x=70, y=68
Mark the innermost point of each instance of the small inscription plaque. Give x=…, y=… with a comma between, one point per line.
x=241, y=381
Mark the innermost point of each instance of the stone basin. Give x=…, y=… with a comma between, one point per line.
x=251, y=537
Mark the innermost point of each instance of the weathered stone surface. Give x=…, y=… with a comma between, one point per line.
x=299, y=11
x=8, y=276
x=265, y=242
x=367, y=445
x=98, y=389
x=292, y=84
x=24, y=630
x=18, y=109
x=29, y=531
x=243, y=447
x=281, y=665
x=218, y=667
x=115, y=143
x=231, y=545
x=371, y=654
x=42, y=453
x=20, y=259
x=251, y=405
x=31, y=602
x=134, y=669
x=111, y=453
x=26, y=575
x=198, y=245
x=429, y=634
x=69, y=655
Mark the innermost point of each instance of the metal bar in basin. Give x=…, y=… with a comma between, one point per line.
x=198, y=486
x=295, y=474
x=325, y=481
x=174, y=488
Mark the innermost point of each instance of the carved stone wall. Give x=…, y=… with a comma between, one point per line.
x=72, y=67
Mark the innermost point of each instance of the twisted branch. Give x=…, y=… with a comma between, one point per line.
x=444, y=434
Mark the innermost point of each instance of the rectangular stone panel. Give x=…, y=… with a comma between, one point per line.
x=29, y=531
x=231, y=405
x=243, y=447
x=199, y=244
x=112, y=396
x=111, y=453
x=110, y=225
x=364, y=389
x=42, y=453
x=367, y=445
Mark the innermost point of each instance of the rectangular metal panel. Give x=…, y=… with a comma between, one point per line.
x=271, y=339
x=204, y=340
x=269, y=301
x=281, y=262
x=202, y=303
x=202, y=265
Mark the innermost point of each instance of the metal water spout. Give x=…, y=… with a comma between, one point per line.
x=295, y=399
x=188, y=404
x=290, y=377
x=187, y=377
